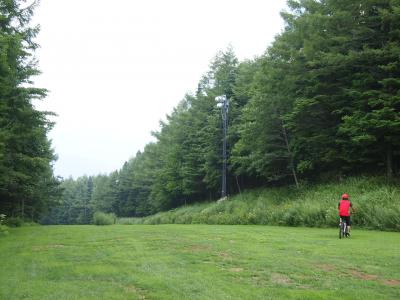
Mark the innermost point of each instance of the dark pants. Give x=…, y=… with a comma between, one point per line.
x=346, y=219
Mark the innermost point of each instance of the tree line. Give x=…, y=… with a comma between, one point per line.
x=27, y=184
x=322, y=102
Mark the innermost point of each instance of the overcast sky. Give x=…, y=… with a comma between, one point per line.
x=114, y=69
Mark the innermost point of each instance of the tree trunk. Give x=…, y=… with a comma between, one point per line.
x=290, y=156
x=389, y=161
x=237, y=182
x=22, y=208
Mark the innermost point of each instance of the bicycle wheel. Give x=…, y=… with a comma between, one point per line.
x=342, y=230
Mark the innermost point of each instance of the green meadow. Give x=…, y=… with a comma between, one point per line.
x=197, y=262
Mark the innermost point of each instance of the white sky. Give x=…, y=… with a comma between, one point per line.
x=116, y=68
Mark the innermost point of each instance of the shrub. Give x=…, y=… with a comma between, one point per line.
x=14, y=222
x=331, y=217
x=292, y=217
x=100, y=218
x=2, y=218
x=30, y=223
x=199, y=218
x=128, y=221
x=3, y=228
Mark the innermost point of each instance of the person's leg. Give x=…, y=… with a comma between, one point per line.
x=348, y=225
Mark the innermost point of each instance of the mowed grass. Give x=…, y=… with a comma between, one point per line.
x=197, y=262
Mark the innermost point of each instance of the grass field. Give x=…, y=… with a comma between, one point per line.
x=197, y=262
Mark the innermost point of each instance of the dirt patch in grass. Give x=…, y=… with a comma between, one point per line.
x=364, y=276
x=280, y=279
x=225, y=255
x=371, y=277
x=198, y=248
x=236, y=270
x=359, y=275
x=134, y=290
x=391, y=282
x=326, y=267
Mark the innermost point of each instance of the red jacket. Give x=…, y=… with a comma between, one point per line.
x=344, y=208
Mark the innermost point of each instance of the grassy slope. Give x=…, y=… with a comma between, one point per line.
x=377, y=203
x=197, y=262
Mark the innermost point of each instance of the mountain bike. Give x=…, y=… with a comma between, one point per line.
x=343, y=230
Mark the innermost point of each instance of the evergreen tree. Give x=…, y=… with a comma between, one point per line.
x=27, y=185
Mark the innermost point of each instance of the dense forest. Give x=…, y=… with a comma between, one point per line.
x=321, y=103
x=27, y=185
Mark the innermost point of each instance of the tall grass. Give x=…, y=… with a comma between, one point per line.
x=100, y=218
x=376, y=200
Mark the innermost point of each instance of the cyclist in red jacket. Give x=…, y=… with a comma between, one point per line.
x=344, y=207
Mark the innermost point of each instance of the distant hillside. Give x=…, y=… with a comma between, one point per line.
x=377, y=202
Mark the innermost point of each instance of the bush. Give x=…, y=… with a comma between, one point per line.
x=14, y=222
x=3, y=228
x=292, y=217
x=30, y=223
x=128, y=221
x=100, y=218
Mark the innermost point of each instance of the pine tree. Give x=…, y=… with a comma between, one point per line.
x=27, y=185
